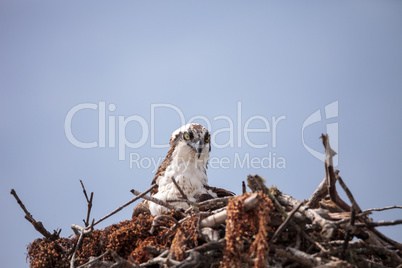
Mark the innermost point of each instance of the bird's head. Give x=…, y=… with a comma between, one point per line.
x=194, y=137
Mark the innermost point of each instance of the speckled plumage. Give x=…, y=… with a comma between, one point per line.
x=186, y=162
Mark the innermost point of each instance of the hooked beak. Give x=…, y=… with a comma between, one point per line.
x=198, y=145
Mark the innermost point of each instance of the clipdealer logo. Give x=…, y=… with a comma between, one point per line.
x=330, y=111
x=112, y=134
x=239, y=134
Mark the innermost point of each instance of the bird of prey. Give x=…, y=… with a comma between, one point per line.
x=186, y=162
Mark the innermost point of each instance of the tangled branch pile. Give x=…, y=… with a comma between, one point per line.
x=261, y=228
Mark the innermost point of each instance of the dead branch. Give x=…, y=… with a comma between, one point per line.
x=193, y=260
x=330, y=174
x=319, y=193
x=328, y=228
x=158, y=218
x=161, y=260
x=215, y=203
x=243, y=187
x=213, y=245
x=36, y=224
x=284, y=224
x=94, y=260
x=367, y=211
x=183, y=195
x=379, y=223
x=83, y=231
x=220, y=217
x=155, y=200
x=89, y=203
x=139, y=195
x=349, y=235
x=348, y=193
x=297, y=256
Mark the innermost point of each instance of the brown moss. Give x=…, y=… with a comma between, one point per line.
x=131, y=237
x=242, y=226
x=128, y=239
x=43, y=253
x=259, y=248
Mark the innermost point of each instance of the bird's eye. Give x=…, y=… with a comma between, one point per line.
x=186, y=136
x=207, y=138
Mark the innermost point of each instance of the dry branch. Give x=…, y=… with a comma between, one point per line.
x=298, y=256
x=89, y=203
x=183, y=195
x=155, y=200
x=284, y=224
x=216, y=219
x=330, y=174
x=139, y=195
x=36, y=224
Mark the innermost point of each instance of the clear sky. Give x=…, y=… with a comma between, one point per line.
x=120, y=78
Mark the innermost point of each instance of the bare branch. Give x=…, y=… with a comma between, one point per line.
x=84, y=231
x=36, y=224
x=379, y=223
x=330, y=174
x=215, y=203
x=220, y=217
x=284, y=224
x=349, y=235
x=298, y=256
x=139, y=195
x=158, y=218
x=381, y=209
x=155, y=200
x=183, y=195
x=319, y=193
x=89, y=203
x=349, y=194
x=93, y=260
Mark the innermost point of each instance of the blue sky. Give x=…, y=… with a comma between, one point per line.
x=247, y=61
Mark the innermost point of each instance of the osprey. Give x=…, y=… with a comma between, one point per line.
x=186, y=162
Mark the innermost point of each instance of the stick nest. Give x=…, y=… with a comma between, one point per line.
x=260, y=228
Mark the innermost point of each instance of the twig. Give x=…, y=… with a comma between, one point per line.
x=121, y=262
x=155, y=200
x=328, y=227
x=385, y=251
x=89, y=203
x=183, y=195
x=157, y=218
x=215, y=203
x=36, y=224
x=154, y=251
x=349, y=235
x=284, y=224
x=379, y=223
x=209, y=246
x=216, y=219
x=330, y=174
x=312, y=241
x=84, y=231
x=348, y=193
x=76, y=249
x=298, y=256
x=176, y=200
x=161, y=260
x=319, y=193
x=193, y=260
x=94, y=259
x=380, y=209
x=139, y=195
